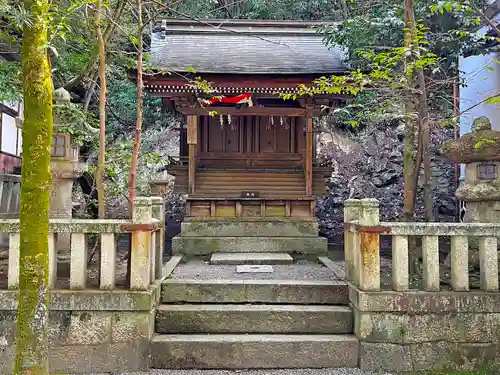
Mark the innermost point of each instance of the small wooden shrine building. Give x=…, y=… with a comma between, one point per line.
x=250, y=159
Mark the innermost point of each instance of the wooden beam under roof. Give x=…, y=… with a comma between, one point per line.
x=252, y=111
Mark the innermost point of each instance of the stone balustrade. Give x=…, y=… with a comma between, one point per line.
x=419, y=324
x=100, y=320
x=362, y=241
x=145, y=227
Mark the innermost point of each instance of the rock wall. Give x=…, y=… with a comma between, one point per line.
x=370, y=165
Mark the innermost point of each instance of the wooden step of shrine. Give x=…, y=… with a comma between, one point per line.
x=272, y=182
x=251, y=258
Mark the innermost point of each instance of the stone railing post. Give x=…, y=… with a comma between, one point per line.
x=488, y=263
x=460, y=263
x=369, y=267
x=158, y=206
x=351, y=238
x=141, y=257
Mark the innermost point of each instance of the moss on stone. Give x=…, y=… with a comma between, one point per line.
x=91, y=300
x=242, y=228
x=479, y=191
x=480, y=124
x=208, y=245
x=71, y=226
x=474, y=147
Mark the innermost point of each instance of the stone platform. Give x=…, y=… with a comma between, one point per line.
x=200, y=237
x=251, y=258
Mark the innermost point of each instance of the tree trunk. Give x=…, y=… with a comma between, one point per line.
x=232, y=7
x=102, y=112
x=345, y=9
x=423, y=113
x=94, y=55
x=413, y=145
x=456, y=112
x=140, y=89
x=32, y=322
x=115, y=18
x=409, y=162
x=90, y=91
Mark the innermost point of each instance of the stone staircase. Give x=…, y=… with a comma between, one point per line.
x=217, y=322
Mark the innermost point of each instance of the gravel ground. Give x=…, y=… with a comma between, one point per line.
x=341, y=371
x=195, y=270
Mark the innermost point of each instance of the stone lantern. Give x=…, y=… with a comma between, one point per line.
x=66, y=167
x=65, y=164
x=480, y=152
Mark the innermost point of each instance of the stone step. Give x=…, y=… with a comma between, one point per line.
x=250, y=258
x=250, y=228
x=240, y=351
x=291, y=319
x=255, y=291
x=209, y=245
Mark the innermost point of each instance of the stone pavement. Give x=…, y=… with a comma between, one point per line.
x=339, y=371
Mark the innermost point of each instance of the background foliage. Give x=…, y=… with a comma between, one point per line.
x=366, y=28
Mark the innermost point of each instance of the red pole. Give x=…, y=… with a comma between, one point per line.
x=456, y=111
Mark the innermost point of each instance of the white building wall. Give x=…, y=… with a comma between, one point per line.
x=11, y=139
x=20, y=133
x=9, y=135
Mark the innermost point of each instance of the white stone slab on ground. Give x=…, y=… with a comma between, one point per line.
x=250, y=258
x=254, y=268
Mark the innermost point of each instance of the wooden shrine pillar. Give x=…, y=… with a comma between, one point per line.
x=192, y=140
x=308, y=168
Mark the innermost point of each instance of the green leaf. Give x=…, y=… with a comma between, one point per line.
x=493, y=100
x=352, y=123
x=134, y=40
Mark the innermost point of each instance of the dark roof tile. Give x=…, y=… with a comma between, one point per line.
x=261, y=48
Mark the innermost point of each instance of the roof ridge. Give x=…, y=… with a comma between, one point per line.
x=246, y=22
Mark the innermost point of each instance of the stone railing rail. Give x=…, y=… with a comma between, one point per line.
x=362, y=250
x=146, y=228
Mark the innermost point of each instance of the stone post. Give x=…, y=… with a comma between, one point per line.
x=369, y=268
x=158, y=207
x=351, y=238
x=141, y=257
